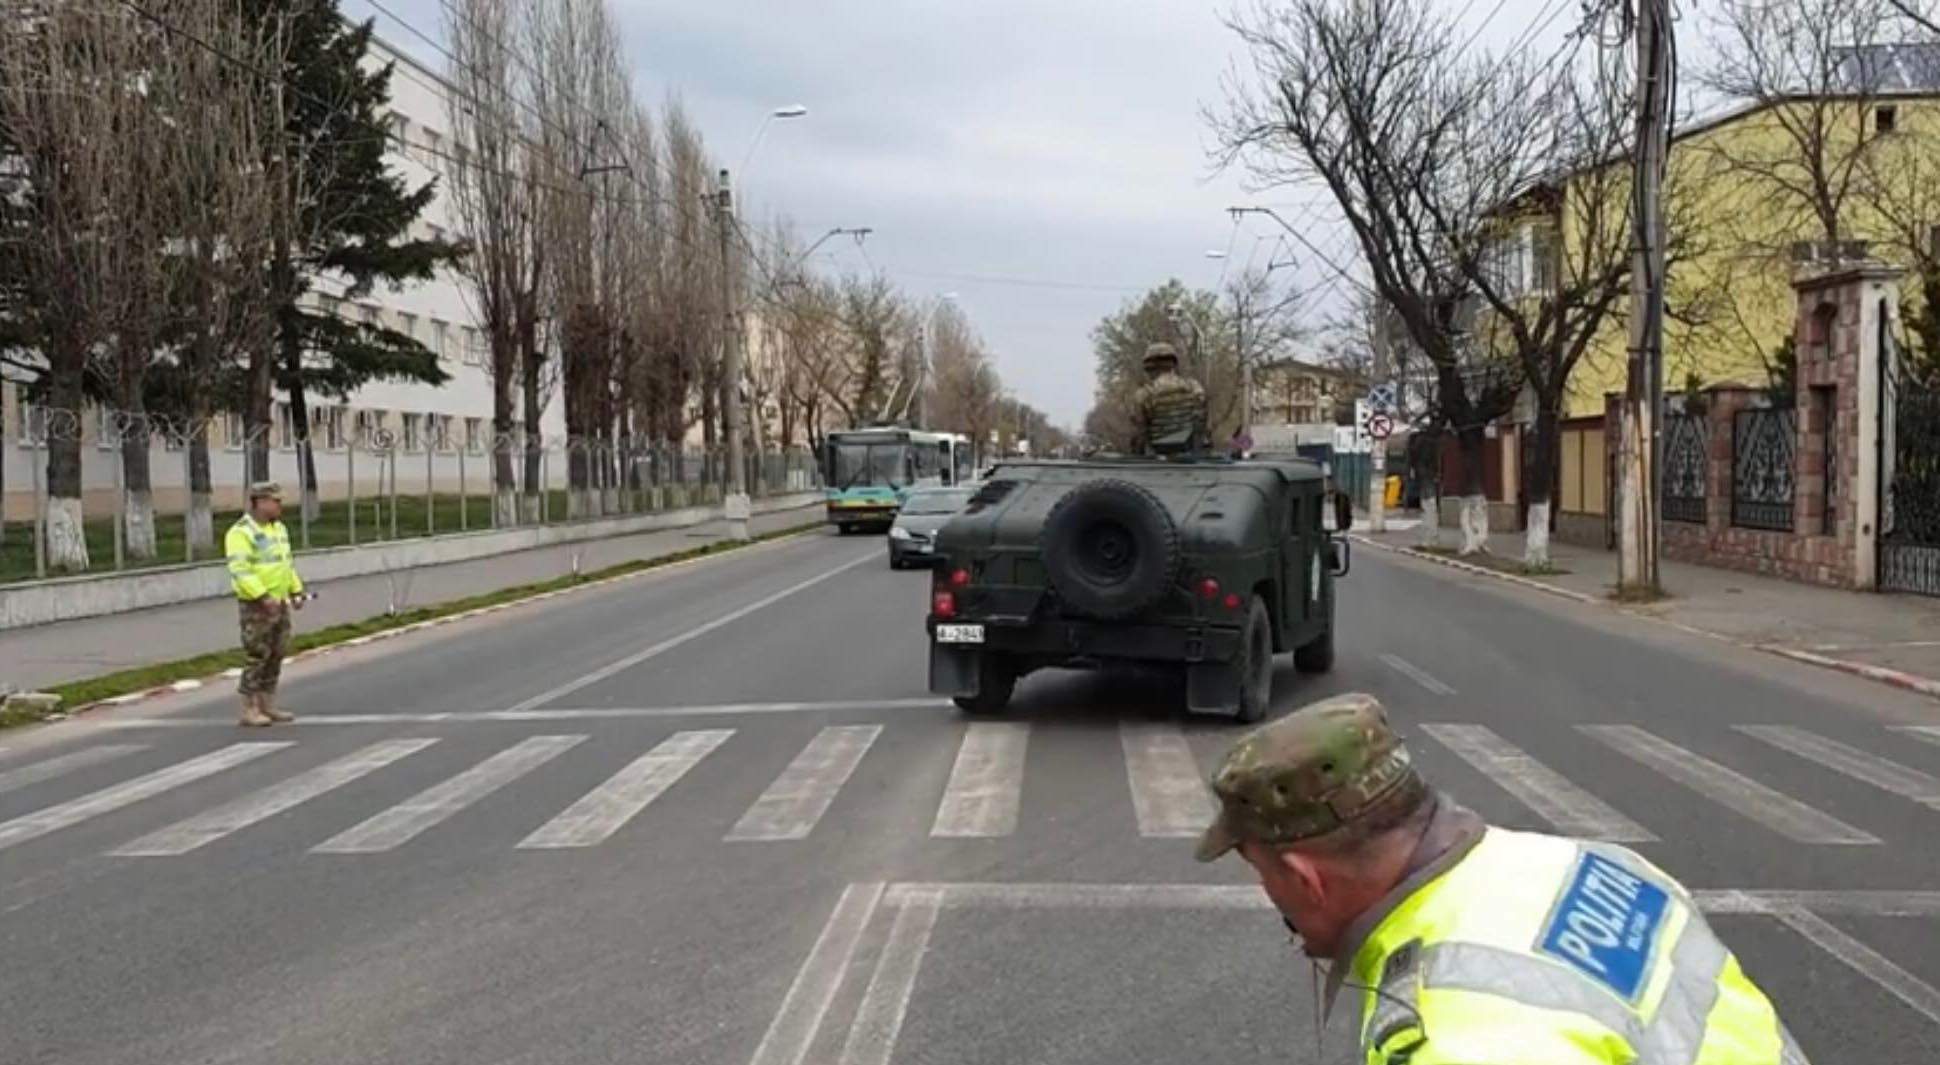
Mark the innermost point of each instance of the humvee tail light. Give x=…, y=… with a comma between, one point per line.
x=1209, y=590
x=944, y=604
x=1232, y=600
x=959, y=578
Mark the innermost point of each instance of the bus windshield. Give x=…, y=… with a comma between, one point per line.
x=858, y=464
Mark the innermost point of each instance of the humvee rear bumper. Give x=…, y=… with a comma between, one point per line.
x=1054, y=643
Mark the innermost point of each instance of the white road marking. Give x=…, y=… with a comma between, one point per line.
x=1779, y=812
x=185, y=836
x=1929, y=733
x=1853, y=762
x=879, y=1019
x=1011, y=896
x=600, y=812
x=793, y=1030
x=1866, y=961
x=1168, y=795
x=74, y=811
x=590, y=713
x=1417, y=674
x=797, y=799
x=694, y=633
x=433, y=805
x=1568, y=807
x=986, y=784
x=35, y=773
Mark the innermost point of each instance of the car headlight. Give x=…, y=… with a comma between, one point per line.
x=897, y=532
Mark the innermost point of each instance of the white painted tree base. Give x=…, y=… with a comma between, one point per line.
x=67, y=541
x=139, y=529
x=1431, y=521
x=1535, y=540
x=1475, y=524
x=505, y=508
x=202, y=524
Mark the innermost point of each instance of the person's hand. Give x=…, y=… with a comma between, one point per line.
x=297, y=602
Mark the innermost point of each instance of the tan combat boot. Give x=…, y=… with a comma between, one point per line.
x=267, y=701
x=253, y=715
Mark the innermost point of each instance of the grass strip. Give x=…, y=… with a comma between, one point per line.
x=79, y=694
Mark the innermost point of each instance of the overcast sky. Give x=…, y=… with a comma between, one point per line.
x=1043, y=161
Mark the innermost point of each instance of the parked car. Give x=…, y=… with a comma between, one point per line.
x=912, y=537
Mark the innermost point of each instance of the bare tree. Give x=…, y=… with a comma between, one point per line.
x=495, y=196
x=1373, y=101
x=68, y=77
x=1816, y=69
x=965, y=387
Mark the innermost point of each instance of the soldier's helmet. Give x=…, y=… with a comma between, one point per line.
x=1323, y=768
x=1161, y=357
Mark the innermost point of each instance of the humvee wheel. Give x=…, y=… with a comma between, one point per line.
x=843, y=528
x=1317, y=655
x=1255, y=664
x=996, y=680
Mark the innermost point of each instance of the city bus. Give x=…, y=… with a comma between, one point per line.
x=869, y=472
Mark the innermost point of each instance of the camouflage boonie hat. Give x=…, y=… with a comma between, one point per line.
x=266, y=490
x=1160, y=352
x=1321, y=768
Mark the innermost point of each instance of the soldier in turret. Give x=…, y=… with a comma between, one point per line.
x=1171, y=408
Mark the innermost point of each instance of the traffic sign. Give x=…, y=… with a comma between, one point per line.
x=1382, y=397
x=1380, y=427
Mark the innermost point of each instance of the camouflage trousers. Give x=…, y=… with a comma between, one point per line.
x=265, y=639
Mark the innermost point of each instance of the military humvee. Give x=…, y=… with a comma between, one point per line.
x=1213, y=565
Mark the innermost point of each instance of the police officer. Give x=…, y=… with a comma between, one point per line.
x=1470, y=944
x=1171, y=408
x=267, y=589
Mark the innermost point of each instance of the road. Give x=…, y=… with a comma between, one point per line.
x=711, y=815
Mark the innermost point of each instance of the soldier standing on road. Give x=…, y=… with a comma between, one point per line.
x=1475, y=945
x=1171, y=409
x=267, y=589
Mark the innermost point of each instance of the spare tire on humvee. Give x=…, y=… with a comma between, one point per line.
x=1213, y=565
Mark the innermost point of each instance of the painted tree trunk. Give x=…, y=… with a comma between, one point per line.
x=1475, y=505
x=66, y=531
x=1475, y=524
x=1535, y=540
x=1431, y=520
x=139, y=525
x=1540, y=487
x=202, y=527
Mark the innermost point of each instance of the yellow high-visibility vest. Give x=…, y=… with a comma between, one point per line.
x=259, y=560
x=1540, y=950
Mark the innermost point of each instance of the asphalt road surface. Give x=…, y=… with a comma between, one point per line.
x=711, y=815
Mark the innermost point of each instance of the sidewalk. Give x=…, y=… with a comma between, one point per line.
x=74, y=650
x=1891, y=638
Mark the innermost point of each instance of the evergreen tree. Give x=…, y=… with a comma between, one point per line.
x=347, y=218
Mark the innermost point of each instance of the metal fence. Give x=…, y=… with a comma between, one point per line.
x=1687, y=456
x=340, y=488
x=1764, y=461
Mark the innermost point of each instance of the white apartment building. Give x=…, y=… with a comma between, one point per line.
x=439, y=432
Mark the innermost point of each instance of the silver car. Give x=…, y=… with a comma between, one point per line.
x=912, y=539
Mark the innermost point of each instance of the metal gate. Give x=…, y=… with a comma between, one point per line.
x=1909, y=472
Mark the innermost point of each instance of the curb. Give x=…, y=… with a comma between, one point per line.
x=1484, y=571
x=1896, y=678
x=192, y=684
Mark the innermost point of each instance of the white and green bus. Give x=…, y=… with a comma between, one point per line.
x=869, y=472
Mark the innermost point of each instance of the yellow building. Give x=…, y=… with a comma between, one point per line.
x=1740, y=192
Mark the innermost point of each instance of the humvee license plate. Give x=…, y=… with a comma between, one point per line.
x=959, y=634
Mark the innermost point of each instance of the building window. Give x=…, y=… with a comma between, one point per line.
x=440, y=427
x=333, y=428
x=369, y=424
x=285, y=426
x=433, y=149
x=475, y=353
x=33, y=425
x=106, y=433
x=412, y=431
x=232, y=430
x=408, y=325
x=474, y=438
x=440, y=340
x=1886, y=118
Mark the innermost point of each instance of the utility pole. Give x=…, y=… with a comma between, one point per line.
x=1377, y=495
x=1639, y=520
x=736, y=507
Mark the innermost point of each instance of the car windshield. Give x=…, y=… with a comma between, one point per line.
x=936, y=502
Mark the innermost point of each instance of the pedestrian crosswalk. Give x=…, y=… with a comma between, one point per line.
x=981, y=796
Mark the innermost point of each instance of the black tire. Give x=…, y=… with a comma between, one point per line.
x=842, y=528
x=1255, y=664
x=996, y=681
x=894, y=562
x=1317, y=655
x=1110, y=549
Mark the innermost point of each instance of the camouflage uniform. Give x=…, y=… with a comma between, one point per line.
x=1171, y=408
x=265, y=639
x=1515, y=948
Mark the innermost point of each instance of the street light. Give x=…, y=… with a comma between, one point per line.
x=784, y=113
